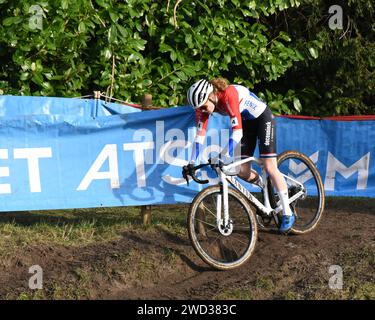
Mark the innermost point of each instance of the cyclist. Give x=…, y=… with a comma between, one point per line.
x=250, y=119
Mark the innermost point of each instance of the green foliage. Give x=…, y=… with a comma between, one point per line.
x=288, y=103
x=281, y=49
x=131, y=47
x=337, y=76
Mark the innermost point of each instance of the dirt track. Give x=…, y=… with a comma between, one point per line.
x=158, y=264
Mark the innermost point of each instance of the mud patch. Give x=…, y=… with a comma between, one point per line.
x=156, y=263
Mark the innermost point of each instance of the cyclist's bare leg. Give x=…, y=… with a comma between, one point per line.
x=246, y=173
x=270, y=165
x=278, y=181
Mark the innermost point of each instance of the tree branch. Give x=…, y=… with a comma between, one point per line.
x=175, y=13
x=168, y=5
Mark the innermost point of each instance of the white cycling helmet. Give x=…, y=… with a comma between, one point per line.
x=198, y=93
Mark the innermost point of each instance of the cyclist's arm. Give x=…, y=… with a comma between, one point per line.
x=233, y=110
x=200, y=137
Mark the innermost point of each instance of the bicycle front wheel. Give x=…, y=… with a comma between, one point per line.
x=309, y=208
x=223, y=252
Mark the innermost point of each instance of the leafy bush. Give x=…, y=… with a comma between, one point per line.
x=128, y=48
x=337, y=76
x=281, y=49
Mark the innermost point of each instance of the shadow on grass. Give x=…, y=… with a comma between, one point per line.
x=95, y=216
x=161, y=214
x=30, y=218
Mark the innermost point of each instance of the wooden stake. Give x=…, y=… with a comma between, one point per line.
x=146, y=213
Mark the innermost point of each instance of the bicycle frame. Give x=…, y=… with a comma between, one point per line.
x=226, y=178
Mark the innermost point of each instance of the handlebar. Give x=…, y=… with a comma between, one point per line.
x=190, y=170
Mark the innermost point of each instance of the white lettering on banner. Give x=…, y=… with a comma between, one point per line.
x=177, y=157
x=32, y=156
x=173, y=152
x=298, y=168
x=334, y=165
x=178, y=162
x=4, y=172
x=165, y=152
x=145, y=135
x=213, y=147
x=173, y=148
x=139, y=159
x=166, y=149
x=159, y=141
x=108, y=152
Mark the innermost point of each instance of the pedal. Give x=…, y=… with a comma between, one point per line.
x=266, y=220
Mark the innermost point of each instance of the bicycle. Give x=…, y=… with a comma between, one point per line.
x=221, y=222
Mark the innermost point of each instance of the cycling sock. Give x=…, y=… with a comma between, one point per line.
x=283, y=195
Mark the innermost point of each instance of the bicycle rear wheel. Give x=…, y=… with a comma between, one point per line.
x=309, y=208
x=223, y=252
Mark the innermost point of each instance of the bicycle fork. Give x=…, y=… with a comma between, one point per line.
x=224, y=224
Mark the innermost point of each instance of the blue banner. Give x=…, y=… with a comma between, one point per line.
x=343, y=152
x=21, y=106
x=58, y=153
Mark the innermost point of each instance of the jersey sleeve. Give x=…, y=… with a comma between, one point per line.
x=202, y=122
x=233, y=109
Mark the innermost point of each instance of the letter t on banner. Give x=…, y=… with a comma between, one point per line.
x=32, y=156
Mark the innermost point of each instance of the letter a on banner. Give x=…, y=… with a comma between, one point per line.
x=109, y=152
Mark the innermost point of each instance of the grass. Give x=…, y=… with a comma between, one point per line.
x=171, y=256
x=358, y=268
x=358, y=279
x=80, y=227
x=262, y=288
x=265, y=283
x=235, y=294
